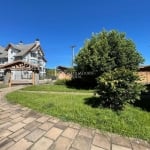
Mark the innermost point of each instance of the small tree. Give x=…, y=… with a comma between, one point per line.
x=114, y=60
x=118, y=87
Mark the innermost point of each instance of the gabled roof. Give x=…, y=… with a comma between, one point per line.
x=62, y=68
x=1, y=49
x=38, y=48
x=3, y=53
x=144, y=68
x=23, y=48
x=44, y=59
x=20, y=47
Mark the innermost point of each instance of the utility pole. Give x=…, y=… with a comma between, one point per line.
x=72, y=47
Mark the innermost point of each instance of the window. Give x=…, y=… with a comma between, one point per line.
x=33, y=61
x=33, y=55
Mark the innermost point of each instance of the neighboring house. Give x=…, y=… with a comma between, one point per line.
x=144, y=74
x=63, y=73
x=30, y=53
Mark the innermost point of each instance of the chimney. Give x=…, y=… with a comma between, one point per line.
x=20, y=43
x=37, y=41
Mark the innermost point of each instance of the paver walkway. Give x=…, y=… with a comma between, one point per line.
x=21, y=129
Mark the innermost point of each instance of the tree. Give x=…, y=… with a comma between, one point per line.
x=106, y=51
x=118, y=87
x=113, y=60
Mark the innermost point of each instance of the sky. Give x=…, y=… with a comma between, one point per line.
x=60, y=24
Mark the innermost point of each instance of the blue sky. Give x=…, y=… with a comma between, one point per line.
x=59, y=24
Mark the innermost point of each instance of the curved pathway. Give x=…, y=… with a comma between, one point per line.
x=21, y=129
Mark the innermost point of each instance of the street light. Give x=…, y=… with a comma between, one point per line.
x=72, y=47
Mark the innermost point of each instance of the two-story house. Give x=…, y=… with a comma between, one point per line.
x=31, y=53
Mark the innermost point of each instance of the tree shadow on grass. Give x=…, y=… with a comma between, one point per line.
x=93, y=101
x=144, y=102
x=96, y=102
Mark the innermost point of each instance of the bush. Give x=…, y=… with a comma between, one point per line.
x=118, y=87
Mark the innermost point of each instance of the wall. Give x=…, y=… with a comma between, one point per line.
x=144, y=77
x=11, y=53
x=63, y=75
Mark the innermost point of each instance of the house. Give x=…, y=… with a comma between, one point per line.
x=144, y=74
x=30, y=53
x=63, y=73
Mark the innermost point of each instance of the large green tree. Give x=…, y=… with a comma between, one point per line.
x=113, y=60
x=106, y=51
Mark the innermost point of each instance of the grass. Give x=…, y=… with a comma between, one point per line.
x=55, y=88
x=132, y=122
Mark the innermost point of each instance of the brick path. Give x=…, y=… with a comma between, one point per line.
x=21, y=128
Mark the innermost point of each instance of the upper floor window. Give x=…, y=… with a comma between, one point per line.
x=33, y=54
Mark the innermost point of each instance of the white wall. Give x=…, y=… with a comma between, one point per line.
x=11, y=53
x=26, y=58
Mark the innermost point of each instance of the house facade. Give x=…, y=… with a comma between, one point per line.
x=144, y=74
x=63, y=73
x=31, y=53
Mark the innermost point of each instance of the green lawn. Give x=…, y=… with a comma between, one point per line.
x=55, y=88
x=132, y=122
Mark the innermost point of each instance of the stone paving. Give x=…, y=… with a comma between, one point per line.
x=21, y=128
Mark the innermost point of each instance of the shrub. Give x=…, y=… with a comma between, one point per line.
x=118, y=87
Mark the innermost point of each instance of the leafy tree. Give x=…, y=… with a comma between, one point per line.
x=113, y=60
x=117, y=87
x=106, y=51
